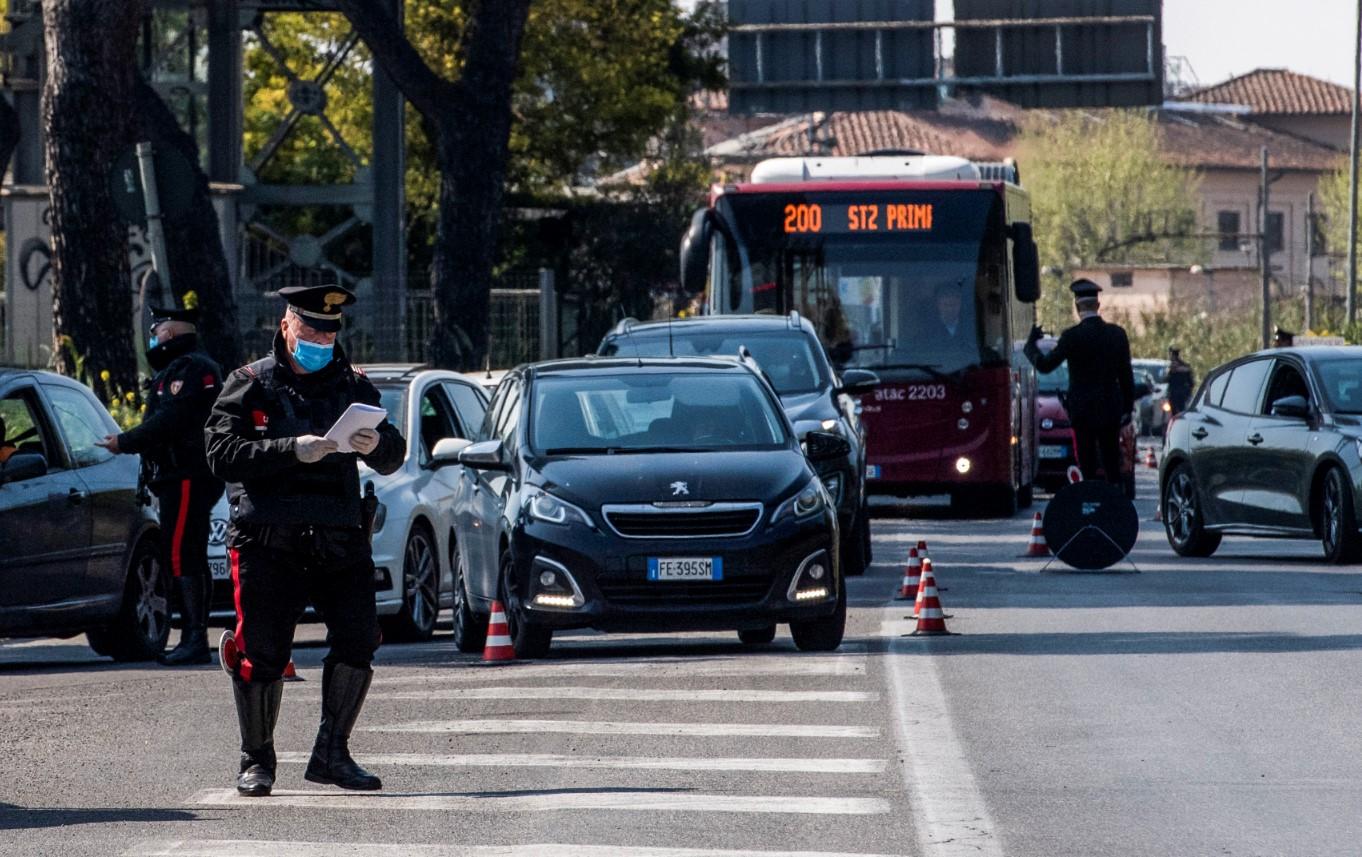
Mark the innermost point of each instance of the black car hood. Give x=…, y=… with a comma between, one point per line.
x=594, y=480
x=809, y=406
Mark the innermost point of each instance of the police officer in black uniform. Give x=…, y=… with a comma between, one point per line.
x=170, y=441
x=297, y=531
x=1101, y=383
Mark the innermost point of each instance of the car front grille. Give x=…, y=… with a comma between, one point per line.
x=715, y=592
x=713, y=521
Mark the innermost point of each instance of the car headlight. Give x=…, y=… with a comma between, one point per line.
x=809, y=501
x=543, y=506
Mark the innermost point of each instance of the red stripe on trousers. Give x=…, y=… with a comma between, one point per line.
x=244, y=670
x=178, y=539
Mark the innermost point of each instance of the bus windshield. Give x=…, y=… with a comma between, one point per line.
x=904, y=283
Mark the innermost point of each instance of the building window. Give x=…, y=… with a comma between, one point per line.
x=1122, y=279
x=1275, y=232
x=1227, y=224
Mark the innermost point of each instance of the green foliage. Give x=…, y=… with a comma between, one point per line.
x=1333, y=199
x=124, y=406
x=1101, y=193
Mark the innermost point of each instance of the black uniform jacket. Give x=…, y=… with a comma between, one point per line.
x=264, y=406
x=179, y=399
x=1101, y=382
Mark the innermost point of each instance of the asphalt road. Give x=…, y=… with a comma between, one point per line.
x=1200, y=707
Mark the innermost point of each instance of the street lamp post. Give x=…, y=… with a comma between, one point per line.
x=1352, y=172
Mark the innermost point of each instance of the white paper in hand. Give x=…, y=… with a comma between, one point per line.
x=357, y=416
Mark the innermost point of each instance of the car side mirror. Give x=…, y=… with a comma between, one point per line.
x=21, y=466
x=855, y=381
x=1025, y=264
x=484, y=455
x=695, y=252
x=825, y=446
x=446, y=451
x=1295, y=407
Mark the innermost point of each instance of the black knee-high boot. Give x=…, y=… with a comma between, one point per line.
x=343, y=691
x=257, y=710
x=193, y=647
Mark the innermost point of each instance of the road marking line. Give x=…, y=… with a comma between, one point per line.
x=650, y=763
x=606, y=727
x=630, y=694
x=645, y=801
x=949, y=812
x=662, y=668
x=275, y=848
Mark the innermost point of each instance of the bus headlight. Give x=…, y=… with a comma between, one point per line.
x=962, y=465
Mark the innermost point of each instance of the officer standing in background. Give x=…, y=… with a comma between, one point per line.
x=1180, y=382
x=1101, y=382
x=298, y=533
x=170, y=441
x=1283, y=338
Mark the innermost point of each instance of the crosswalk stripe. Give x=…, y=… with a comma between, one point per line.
x=645, y=801
x=661, y=668
x=595, y=727
x=275, y=848
x=635, y=694
x=650, y=763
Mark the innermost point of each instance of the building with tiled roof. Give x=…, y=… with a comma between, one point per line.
x=1295, y=103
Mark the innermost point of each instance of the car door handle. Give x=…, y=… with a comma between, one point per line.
x=1255, y=438
x=76, y=496
x=1199, y=433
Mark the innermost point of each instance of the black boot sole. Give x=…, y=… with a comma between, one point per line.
x=355, y=786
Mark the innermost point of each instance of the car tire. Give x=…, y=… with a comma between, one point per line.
x=757, y=636
x=140, y=630
x=822, y=635
x=1183, y=520
x=470, y=628
x=415, y=620
x=530, y=641
x=1338, y=522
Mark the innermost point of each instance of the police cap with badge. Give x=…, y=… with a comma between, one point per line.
x=318, y=306
x=1084, y=289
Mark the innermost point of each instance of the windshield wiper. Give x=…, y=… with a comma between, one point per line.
x=617, y=450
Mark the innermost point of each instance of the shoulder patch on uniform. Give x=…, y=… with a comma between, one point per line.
x=209, y=380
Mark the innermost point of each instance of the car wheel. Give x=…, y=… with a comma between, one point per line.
x=1183, y=521
x=530, y=641
x=140, y=631
x=470, y=629
x=758, y=636
x=1338, y=526
x=822, y=635
x=415, y=621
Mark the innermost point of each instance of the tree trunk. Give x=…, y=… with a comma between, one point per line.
x=471, y=121
x=194, y=239
x=87, y=113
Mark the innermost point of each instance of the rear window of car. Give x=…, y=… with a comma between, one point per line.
x=1215, y=389
x=1245, y=387
x=786, y=356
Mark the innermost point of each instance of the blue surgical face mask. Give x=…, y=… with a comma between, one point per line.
x=312, y=356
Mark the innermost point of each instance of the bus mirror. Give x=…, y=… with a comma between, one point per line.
x=1025, y=264
x=695, y=252
x=855, y=381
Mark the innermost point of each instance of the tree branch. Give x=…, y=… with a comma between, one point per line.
x=394, y=53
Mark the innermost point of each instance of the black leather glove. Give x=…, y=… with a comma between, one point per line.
x=1036, y=334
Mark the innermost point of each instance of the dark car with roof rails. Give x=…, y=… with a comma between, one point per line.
x=1271, y=445
x=815, y=397
x=645, y=494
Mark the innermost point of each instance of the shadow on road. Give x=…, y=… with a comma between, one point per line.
x=14, y=817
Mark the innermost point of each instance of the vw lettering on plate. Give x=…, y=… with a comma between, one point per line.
x=685, y=568
x=219, y=568
x=1053, y=451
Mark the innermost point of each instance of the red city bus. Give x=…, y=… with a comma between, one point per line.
x=913, y=267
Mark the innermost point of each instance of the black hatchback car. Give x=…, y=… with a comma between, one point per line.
x=644, y=495
x=1271, y=446
x=815, y=398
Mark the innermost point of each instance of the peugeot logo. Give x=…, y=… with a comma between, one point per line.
x=679, y=489
x=217, y=532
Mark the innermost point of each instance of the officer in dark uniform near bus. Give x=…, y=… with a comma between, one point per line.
x=170, y=441
x=299, y=532
x=1101, y=383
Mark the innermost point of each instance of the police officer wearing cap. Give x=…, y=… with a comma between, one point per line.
x=1283, y=338
x=297, y=532
x=170, y=441
x=1101, y=382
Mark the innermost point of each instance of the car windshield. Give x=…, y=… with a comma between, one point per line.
x=1342, y=383
x=786, y=356
x=653, y=412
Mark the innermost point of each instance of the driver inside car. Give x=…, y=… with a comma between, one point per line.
x=6, y=448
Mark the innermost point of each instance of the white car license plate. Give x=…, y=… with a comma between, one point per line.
x=219, y=568
x=685, y=568
x=1054, y=451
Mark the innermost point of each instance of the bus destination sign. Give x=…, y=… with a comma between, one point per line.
x=839, y=219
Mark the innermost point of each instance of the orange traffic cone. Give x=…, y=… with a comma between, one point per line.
x=930, y=620
x=922, y=548
x=291, y=673
x=1150, y=460
x=911, y=574
x=499, y=648
x=1037, y=546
